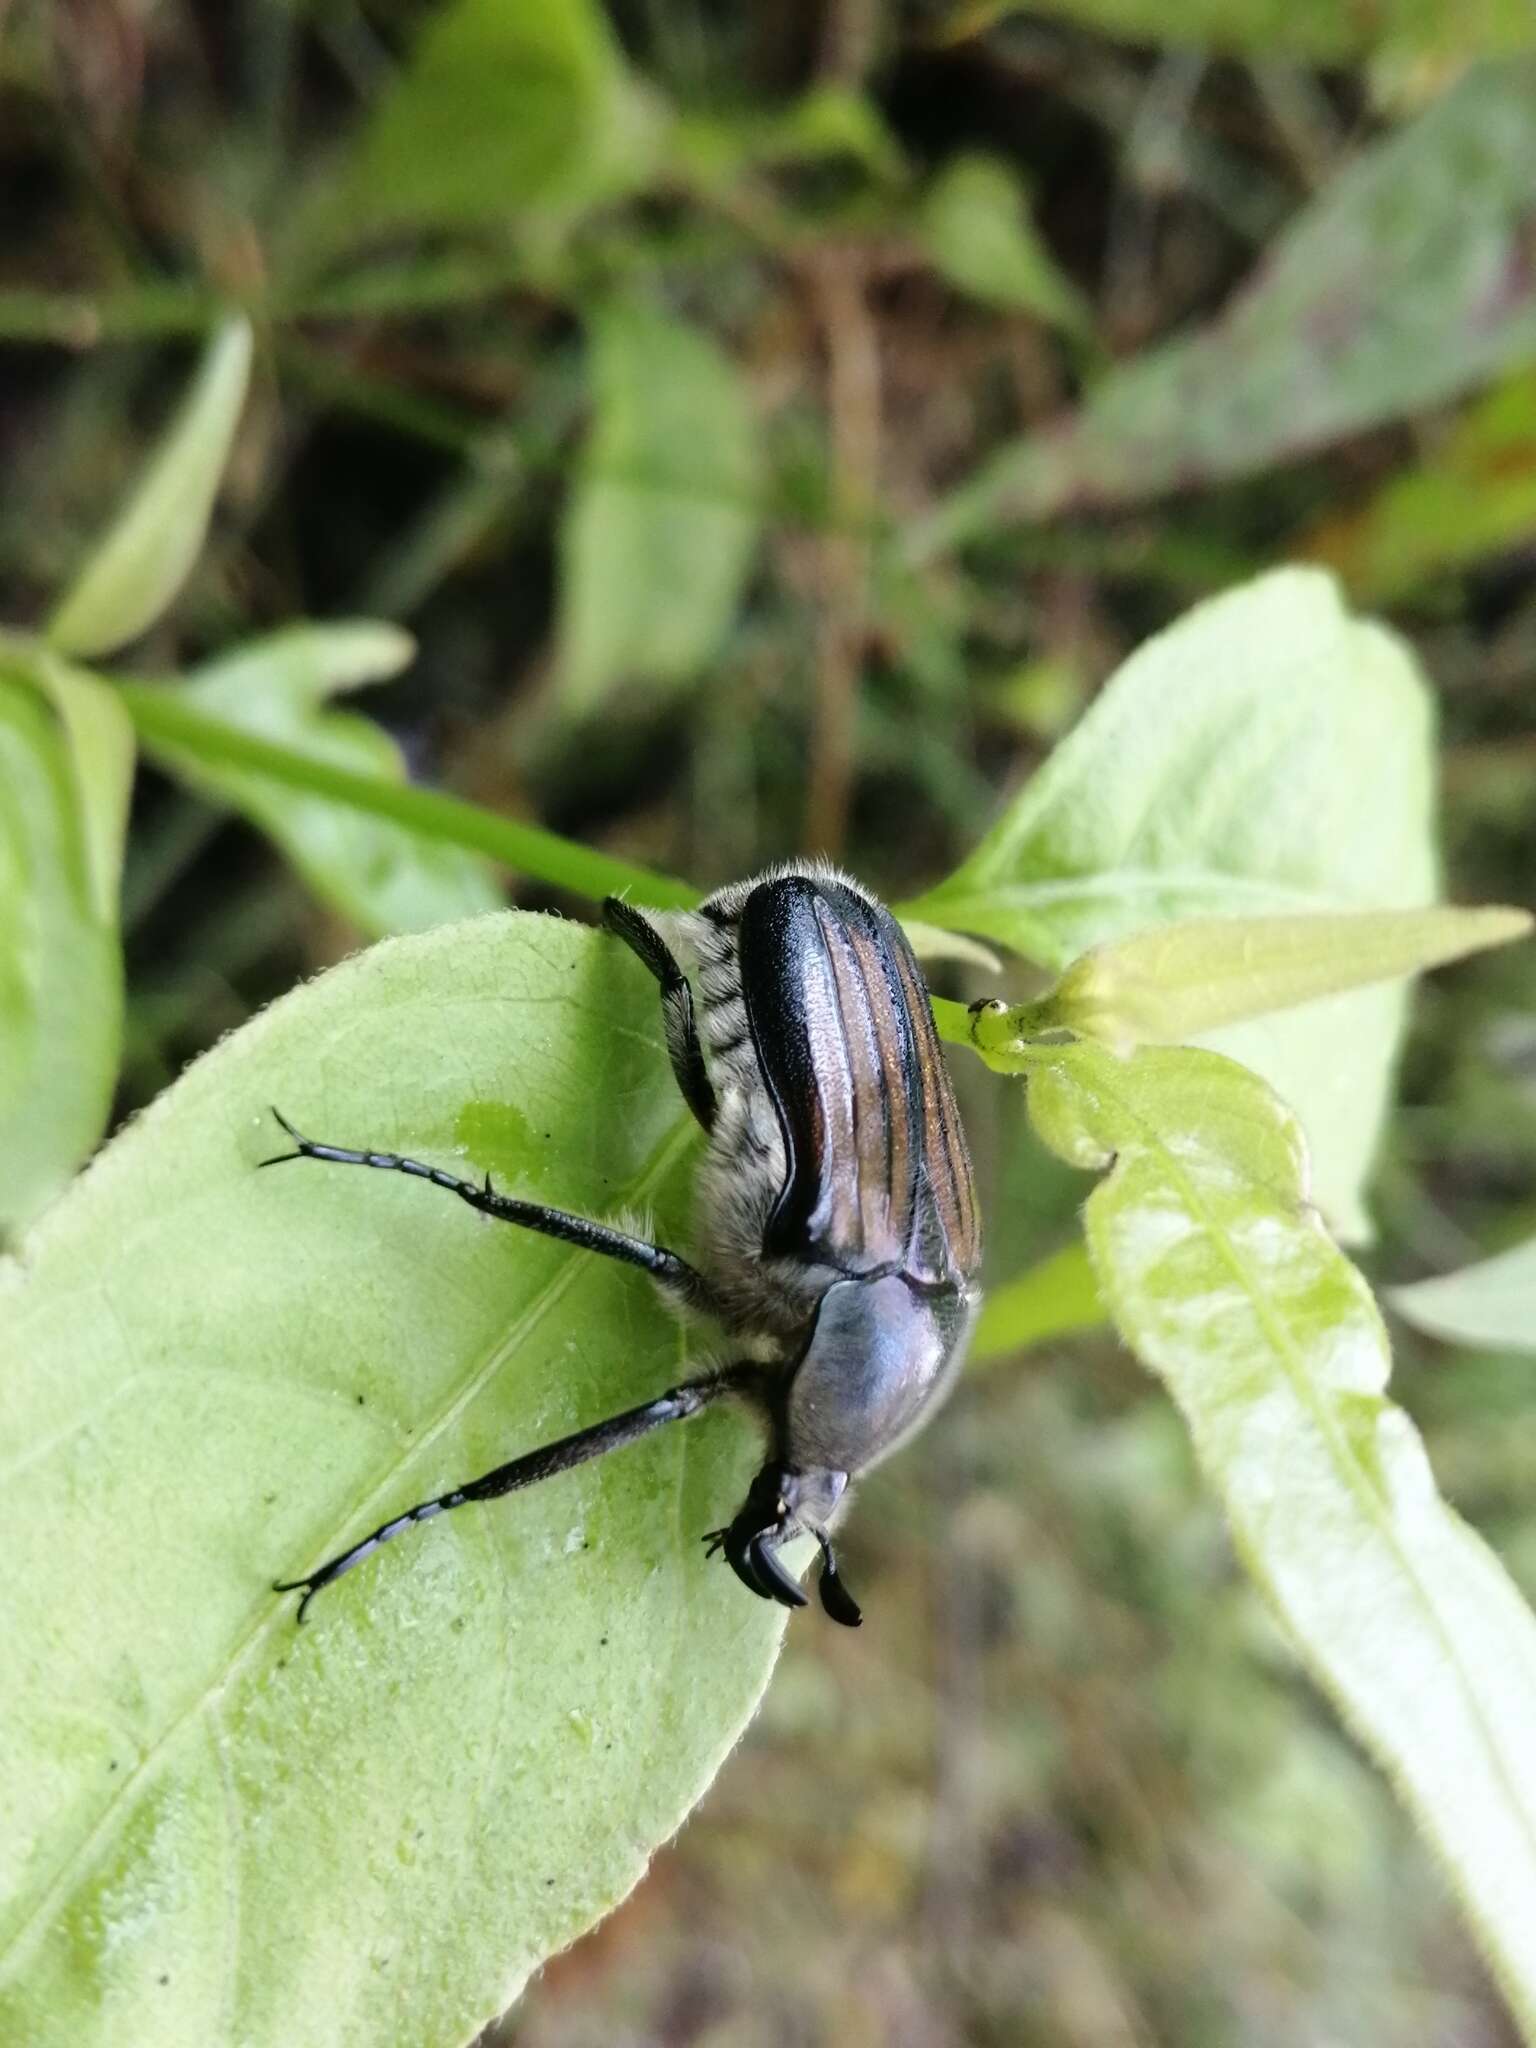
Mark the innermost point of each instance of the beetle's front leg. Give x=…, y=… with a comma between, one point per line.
x=682, y=1281
x=677, y=1019
x=676, y=1405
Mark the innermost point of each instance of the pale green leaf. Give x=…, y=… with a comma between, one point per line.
x=1221, y=1277
x=222, y=1828
x=502, y=105
x=1053, y=1298
x=1173, y=983
x=663, y=521
x=1320, y=30
x=1492, y=1303
x=99, y=741
x=148, y=552
x=1406, y=282
x=976, y=223
x=1266, y=755
x=379, y=874
x=66, y=761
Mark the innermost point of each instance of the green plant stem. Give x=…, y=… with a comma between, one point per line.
x=82, y=319
x=173, y=729
x=953, y=1021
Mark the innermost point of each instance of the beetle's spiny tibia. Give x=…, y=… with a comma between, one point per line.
x=676, y=1405
x=664, y=1266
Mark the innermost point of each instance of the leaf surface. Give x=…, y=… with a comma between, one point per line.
x=221, y=1828
x=502, y=105
x=1267, y=754
x=976, y=222
x=1404, y=283
x=379, y=874
x=1168, y=985
x=1055, y=1297
x=1223, y=1280
x=1492, y=1303
x=663, y=522
x=66, y=763
x=1472, y=495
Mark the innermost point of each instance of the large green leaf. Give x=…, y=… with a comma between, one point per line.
x=1406, y=282
x=221, y=1828
x=1266, y=754
x=1492, y=1303
x=663, y=522
x=66, y=761
x=1222, y=1279
x=148, y=552
x=381, y=875
x=502, y=105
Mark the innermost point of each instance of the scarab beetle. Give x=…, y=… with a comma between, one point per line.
x=837, y=1234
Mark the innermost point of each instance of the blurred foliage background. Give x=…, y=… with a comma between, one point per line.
x=772, y=424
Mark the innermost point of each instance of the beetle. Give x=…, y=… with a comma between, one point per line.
x=838, y=1241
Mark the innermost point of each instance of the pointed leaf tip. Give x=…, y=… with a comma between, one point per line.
x=148, y=552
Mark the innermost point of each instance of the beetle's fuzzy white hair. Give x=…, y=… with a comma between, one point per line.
x=732, y=895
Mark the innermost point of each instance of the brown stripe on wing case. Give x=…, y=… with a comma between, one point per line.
x=837, y=1218
x=948, y=1159
x=892, y=1087
x=867, y=1203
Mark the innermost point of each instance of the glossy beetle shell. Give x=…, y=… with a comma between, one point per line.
x=837, y=1218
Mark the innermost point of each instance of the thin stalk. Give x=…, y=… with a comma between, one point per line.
x=171, y=729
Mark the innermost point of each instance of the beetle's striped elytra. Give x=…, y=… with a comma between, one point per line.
x=836, y=1237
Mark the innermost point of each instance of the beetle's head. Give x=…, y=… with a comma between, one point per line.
x=780, y=1506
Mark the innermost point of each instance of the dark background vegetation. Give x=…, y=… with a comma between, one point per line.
x=1067, y=1787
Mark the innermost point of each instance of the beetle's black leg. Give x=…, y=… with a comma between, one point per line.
x=753, y=1557
x=664, y=1266
x=677, y=1019
x=836, y=1599
x=676, y=1405
x=738, y=1555
x=764, y=1558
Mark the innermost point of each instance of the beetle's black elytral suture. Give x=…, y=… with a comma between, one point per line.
x=837, y=1235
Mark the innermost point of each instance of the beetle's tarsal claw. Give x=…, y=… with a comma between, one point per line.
x=308, y=1587
x=742, y=1559
x=741, y=1555
x=836, y=1600
x=781, y=1586
x=282, y=1158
